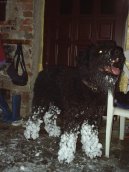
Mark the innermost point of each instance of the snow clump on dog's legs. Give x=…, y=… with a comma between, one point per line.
x=90, y=141
x=33, y=125
x=50, y=121
x=67, y=146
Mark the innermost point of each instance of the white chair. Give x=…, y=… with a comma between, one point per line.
x=111, y=111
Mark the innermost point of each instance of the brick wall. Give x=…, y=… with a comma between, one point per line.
x=19, y=26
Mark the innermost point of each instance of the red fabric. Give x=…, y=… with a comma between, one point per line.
x=2, y=53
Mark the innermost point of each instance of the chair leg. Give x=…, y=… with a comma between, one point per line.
x=108, y=134
x=122, y=127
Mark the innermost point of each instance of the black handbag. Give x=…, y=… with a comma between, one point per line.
x=12, y=71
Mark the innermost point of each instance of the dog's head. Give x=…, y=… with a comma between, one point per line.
x=101, y=66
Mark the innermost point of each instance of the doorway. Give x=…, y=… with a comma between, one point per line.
x=71, y=25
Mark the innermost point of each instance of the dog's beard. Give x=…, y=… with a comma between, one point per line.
x=101, y=82
x=104, y=81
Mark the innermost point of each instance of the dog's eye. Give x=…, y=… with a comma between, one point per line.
x=100, y=51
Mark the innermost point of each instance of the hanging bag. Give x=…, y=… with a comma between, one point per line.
x=13, y=69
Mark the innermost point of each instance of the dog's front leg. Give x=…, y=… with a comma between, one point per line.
x=67, y=146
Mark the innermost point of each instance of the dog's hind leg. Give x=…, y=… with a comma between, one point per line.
x=33, y=125
x=50, y=122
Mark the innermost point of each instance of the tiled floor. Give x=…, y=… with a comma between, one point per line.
x=18, y=155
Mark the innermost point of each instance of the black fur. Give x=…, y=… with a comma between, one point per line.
x=80, y=92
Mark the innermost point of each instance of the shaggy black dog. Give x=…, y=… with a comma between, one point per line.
x=80, y=92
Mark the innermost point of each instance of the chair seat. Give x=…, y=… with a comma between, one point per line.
x=121, y=112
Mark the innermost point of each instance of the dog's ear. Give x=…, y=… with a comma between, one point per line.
x=118, y=50
x=122, y=58
x=83, y=56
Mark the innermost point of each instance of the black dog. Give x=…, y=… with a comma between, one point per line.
x=81, y=88
x=70, y=96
